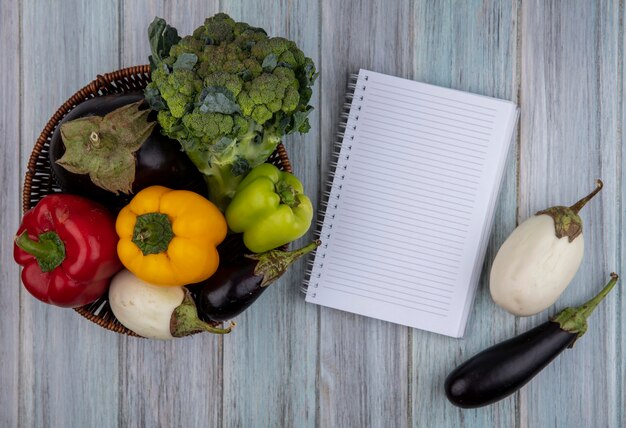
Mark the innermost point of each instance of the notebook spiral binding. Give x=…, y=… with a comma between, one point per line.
x=332, y=189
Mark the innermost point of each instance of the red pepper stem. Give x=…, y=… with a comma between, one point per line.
x=581, y=203
x=49, y=250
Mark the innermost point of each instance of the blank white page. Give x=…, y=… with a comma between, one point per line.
x=412, y=202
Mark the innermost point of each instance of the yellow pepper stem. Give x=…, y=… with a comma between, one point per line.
x=152, y=233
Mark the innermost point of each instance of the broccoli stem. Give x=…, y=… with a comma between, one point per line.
x=219, y=176
x=222, y=185
x=257, y=153
x=250, y=150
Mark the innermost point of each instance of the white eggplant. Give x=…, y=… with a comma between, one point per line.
x=155, y=311
x=539, y=259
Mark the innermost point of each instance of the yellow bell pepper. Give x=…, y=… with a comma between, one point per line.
x=169, y=237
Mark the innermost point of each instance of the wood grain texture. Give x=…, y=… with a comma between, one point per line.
x=68, y=366
x=363, y=362
x=178, y=382
x=293, y=364
x=278, y=334
x=469, y=46
x=570, y=136
x=620, y=206
x=9, y=212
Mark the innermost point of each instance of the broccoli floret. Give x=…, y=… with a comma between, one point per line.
x=232, y=82
x=207, y=126
x=276, y=46
x=228, y=93
x=187, y=44
x=178, y=89
x=167, y=121
x=216, y=30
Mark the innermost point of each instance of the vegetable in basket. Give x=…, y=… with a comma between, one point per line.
x=67, y=246
x=236, y=285
x=500, y=370
x=107, y=149
x=270, y=209
x=169, y=237
x=228, y=93
x=153, y=311
x=539, y=259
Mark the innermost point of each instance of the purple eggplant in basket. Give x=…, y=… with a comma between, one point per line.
x=240, y=280
x=95, y=165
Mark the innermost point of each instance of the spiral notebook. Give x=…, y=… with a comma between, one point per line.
x=410, y=205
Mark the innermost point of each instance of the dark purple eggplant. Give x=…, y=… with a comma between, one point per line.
x=500, y=370
x=236, y=285
x=159, y=160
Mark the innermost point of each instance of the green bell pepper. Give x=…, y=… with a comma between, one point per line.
x=270, y=208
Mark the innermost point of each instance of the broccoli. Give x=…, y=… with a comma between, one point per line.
x=228, y=93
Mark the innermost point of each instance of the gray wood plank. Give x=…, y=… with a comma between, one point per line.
x=363, y=362
x=293, y=364
x=270, y=360
x=68, y=365
x=184, y=15
x=10, y=209
x=620, y=315
x=469, y=46
x=171, y=383
x=178, y=382
x=570, y=135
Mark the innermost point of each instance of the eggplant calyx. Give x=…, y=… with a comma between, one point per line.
x=104, y=147
x=567, y=222
x=273, y=264
x=185, y=320
x=574, y=320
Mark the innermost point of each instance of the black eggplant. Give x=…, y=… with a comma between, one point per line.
x=237, y=284
x=500, y=370
x=158, y=161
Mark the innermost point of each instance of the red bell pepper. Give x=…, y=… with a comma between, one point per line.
x=67, y=245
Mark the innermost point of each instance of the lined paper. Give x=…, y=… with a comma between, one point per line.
x=411, y=204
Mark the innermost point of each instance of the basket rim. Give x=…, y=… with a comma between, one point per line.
x=100, y=86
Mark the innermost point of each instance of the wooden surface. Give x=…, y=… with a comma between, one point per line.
x=293, y=364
